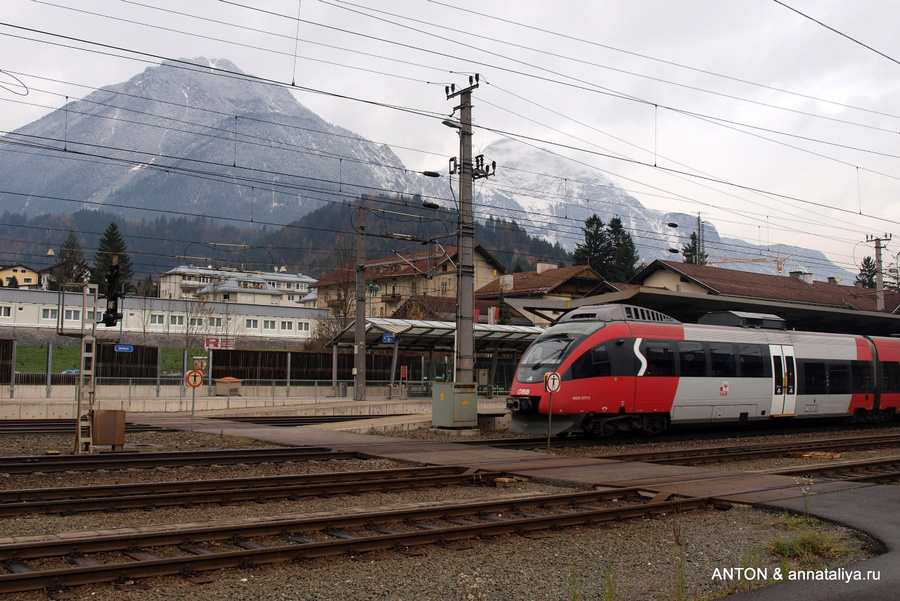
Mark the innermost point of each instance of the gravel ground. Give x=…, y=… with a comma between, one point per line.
x=638, y=558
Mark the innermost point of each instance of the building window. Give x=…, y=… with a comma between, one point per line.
x=215, y=322
x=27, y=280
x=287, y=325
x=176, y=320
x=196, y=321
x=5, y=311
x=90, y=316
x=252, y=324
x=48, y=313
x=73, y=315
x=268, y=324
x=156, y=319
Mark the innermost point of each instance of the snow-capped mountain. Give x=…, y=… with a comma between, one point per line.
x=551, y=197
x=202, y=138
x=179, y=138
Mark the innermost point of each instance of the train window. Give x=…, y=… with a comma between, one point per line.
x=779, y=375
x=660, y=358
x=592, y=364
x=692, y=359
x=814, y=378
x=838, y=378
x=721, y=356
x=862, y=376
x=751, y=360
x=891, y=370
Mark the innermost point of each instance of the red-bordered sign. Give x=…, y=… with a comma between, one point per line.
x=194, y=378
x=552, y=381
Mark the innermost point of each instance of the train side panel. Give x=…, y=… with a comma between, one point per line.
x=713, y=391
x=889, y=378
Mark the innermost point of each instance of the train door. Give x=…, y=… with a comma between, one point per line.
x=784, y=376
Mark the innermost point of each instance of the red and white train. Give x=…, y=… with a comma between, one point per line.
x=629, y=368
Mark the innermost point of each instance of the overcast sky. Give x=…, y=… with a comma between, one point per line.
x=791, y=127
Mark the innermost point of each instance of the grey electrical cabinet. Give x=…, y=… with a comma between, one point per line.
x=454, y=405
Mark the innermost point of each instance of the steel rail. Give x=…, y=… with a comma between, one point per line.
x=62, y=463
x=57, y=547
x=182, y=494
x=745, y=451
x=33, y=427
x=842, y=466
x=302, y=548
x=142, y=488
x=300, y=420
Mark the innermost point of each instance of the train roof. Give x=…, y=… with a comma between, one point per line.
x=617, y=313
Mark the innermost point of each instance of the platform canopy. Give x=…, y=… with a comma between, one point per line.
x=420, y=335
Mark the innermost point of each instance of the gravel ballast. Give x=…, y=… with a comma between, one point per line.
x=641, y=559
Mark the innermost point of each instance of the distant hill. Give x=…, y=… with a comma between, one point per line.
x=318, y=243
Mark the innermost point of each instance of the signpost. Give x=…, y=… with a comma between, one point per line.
x=194, y=379
x=552, y=381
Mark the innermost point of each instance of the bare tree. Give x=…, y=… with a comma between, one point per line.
x=340, y=294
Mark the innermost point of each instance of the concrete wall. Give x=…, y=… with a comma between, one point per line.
x=29, y=403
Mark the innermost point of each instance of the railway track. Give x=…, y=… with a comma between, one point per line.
x=36, y=427
x=886, y=469
x=154, y=495
x=697, y=456
x=56, y=564
x=111, y=461
x=683, y=434
x=290, y=421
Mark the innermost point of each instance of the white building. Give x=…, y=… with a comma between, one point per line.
x=186, y=320
x=235, y=285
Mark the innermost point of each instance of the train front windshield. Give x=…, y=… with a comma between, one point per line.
x=554, y=345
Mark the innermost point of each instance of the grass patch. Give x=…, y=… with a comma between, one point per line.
x=792, y=521
x=810, y=548
x=32, y=359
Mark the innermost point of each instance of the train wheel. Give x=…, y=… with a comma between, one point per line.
x=603, y=427
x=654, y=424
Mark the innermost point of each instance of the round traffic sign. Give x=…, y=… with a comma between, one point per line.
x=194, y=378
x=552, y=381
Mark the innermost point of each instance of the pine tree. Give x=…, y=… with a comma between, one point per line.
x=72, y=267
x=147, y=288
x=591, y=252
x=111, y=245
x=609, y=250
x=504, y=315
x=867, y=273
x=691, y=252
x=13, y=282
x=621, y=255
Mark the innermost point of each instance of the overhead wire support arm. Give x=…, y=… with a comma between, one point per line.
x=466, y=171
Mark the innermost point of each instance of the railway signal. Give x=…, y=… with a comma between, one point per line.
x=112, y=316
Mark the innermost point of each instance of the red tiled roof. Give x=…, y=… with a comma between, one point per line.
x=730, y=282
x=533, y=283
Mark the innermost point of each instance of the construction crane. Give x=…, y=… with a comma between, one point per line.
x=779, y=262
